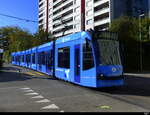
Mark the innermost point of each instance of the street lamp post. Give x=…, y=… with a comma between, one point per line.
x=140, y=37
x=149, y=32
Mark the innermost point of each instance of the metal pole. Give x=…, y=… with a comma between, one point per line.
x=149, y=32
x=140, y=44
x=140, y=36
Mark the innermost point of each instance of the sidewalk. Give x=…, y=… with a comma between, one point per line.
x=13, y=68
x=144, y=74
x=30, y=72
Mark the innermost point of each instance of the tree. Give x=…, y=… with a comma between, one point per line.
x=145, y=29
x=41, y=37
x=128, y=32
x=14, y=39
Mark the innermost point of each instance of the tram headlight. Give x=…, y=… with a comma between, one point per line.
x=114, y=69
x=101, y=75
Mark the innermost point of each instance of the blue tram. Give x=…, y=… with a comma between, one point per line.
x=22, y=58
x=13, y=59
x=45, y=58
x=28, y=58
x=87, y=58
x=33, y=58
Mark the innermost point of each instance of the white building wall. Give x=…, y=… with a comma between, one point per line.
x=90, y=14
x=42, y=10
x=98, y=14
x=50, y=16
x=76, y=16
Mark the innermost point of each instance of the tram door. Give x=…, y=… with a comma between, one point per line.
x=48, y=62
x=40, y=61
x=77, y=63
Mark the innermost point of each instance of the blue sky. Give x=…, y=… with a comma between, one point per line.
x=27, y=9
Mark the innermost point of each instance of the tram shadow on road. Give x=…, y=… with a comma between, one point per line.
x=8, y=74
x=12, y=76
x=134, y=85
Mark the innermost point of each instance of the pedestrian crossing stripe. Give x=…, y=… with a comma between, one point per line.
x=32, y=94
x=52, y=106
x=26, y=88
x=43, y=101
x=37, y=97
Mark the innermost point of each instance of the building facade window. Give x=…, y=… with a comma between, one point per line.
x=77, y=9
x=88, y=22
x=89, y=12
x=77, y=17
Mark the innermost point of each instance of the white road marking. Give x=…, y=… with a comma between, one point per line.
x=9, y=88
x=28, y=91
x=43, y=101
x=52, y=106
x=25, y=88
x=32, y=93
x=37, y=97
x=62, y=111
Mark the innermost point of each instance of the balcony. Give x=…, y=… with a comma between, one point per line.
x=102, y=21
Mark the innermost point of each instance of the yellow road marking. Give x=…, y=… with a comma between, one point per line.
x=32, y=74
x=29, y=73
x=40, y=74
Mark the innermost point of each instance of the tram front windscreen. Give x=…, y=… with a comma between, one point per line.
x=108, y=52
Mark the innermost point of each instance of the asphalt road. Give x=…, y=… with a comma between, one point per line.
x=23, y=90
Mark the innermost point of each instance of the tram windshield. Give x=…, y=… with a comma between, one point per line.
x=108, y=52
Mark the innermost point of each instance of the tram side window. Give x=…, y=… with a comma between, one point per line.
x=43, y=58
x=39, y=58
x=33, y=58
x=50, y=58
x=23, y=58
x=28, y=58
x=11, y=59
x=64, y=57
x=18, y=58
x=88, y=60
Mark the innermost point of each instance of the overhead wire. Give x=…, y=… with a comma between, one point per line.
x=18, y=18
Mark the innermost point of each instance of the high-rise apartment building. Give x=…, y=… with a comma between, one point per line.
x=100, y=13
x=43, y=12
x=62, y=17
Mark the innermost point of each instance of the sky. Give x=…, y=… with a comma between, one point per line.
x=26, y=9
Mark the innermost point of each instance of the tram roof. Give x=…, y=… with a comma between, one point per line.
x=71, y=37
